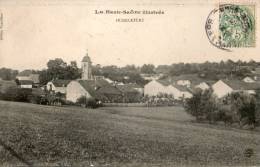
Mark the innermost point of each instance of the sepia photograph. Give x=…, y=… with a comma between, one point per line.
x=129, y=83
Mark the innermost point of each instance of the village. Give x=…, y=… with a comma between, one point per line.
x=158, y=90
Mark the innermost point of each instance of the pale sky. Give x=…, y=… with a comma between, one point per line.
x=38, y=30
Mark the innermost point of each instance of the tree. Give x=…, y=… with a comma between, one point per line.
x=245, y=107
x=8, y=74
x=202, y=105
x=148, y=69
x=58, y=69
x=193, y=105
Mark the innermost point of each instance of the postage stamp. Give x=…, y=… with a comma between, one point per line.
x=231, y=25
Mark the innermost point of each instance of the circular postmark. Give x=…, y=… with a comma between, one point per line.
x=231, y=26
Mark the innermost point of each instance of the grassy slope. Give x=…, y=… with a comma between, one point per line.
x=33, y=135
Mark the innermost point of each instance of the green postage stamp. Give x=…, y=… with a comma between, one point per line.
x=232, y=25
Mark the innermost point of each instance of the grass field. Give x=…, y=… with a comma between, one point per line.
x=34, y=135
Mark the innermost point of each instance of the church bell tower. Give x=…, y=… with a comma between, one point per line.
x=86, y=68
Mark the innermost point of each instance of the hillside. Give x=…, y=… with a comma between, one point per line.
x=36, y=135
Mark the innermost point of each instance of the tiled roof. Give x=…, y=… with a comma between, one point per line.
x=240, y=85
x=182, y=88
x=108, y=90
x=98, y=87
x=126, y=88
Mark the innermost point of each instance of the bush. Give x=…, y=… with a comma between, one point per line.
x=88, y=102
x=17, y=94
x=245, y=107
x=202, y=105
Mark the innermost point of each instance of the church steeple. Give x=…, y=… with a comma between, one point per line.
x=86, y=68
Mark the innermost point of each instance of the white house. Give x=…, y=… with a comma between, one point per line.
x=154, y=88
x=226, y=87
x=184, y=83
x=75, y=90
x=27, y=75
x=221, y=89
x=157, y=87
x=99, y=89
x=248, y=80
x=202, y=86
x=57, y=86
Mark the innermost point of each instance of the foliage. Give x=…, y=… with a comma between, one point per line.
x=245, y=107
x=17, y=94
x=58, y=69
x=193, y=105
x=88, y=102
x=148, y=69
x=203, y=105
x=8, y=74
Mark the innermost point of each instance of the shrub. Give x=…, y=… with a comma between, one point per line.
x=203, y=105
x=88, y=102
x=245, y=107
x=193, y=105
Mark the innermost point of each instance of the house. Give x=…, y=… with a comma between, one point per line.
x=157, y=87
x=57, y=86
x=223, y=88
x=25, y=84
x=28, y=75
x=187, y=80
x=202, y=86
x=248, y=80
x=184, y=92
x=184, y=82
x=98, y=89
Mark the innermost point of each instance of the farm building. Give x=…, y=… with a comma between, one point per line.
x=28, y=75
x=99, y=89
x=157, y=87
x=57, y=86
x=184, y=83
x=223, y=88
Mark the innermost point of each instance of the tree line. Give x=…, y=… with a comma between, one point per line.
x=59, y=69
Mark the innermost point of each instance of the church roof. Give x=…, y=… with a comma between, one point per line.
x=86, y=59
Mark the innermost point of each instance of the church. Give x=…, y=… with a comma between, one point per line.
x=90, y=87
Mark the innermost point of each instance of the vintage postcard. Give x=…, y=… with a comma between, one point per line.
x=129, y=83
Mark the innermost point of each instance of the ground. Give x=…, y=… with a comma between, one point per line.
x=35, y=135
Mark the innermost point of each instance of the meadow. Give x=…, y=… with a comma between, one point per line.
x=35, y=135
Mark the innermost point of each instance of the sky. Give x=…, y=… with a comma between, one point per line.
x=37, y=31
